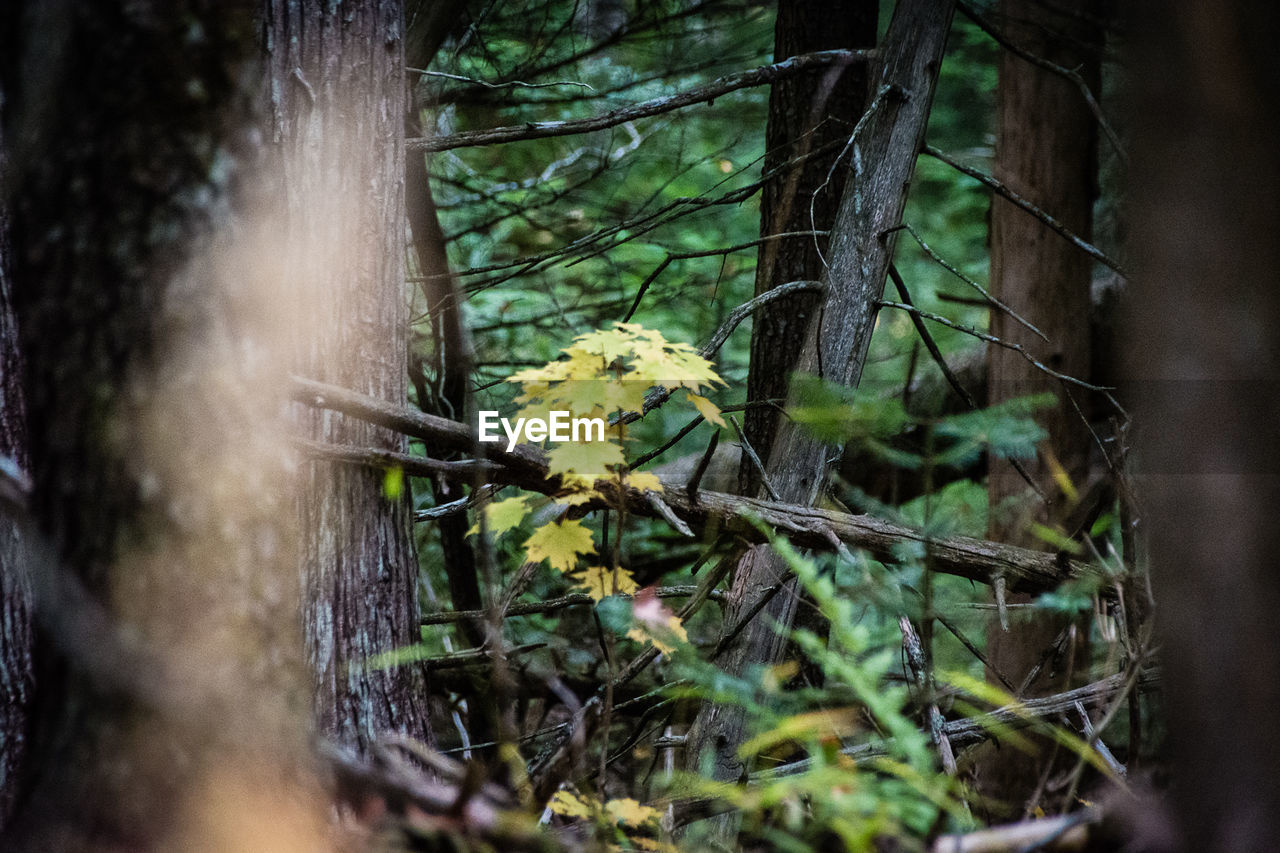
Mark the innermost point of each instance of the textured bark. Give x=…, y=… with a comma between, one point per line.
x=1204, y=350
x=806, y=114
x=164, y=575
x=1045, y=151
x=15, y=586
x=338, y=103
x=836, y=342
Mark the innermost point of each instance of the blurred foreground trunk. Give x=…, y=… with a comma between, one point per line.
x=1204, y=352
x=170, y=700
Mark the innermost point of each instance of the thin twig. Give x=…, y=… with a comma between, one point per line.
x=692, y=486
x=708, y=253
x=508, y=84
x=1075, y=240
x=947, y=372
x=987, y=298
x=755, y=459
x=1018, y=348
x=1069, y=74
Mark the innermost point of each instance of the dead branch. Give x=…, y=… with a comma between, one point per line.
x=655, y=106
x=808, y=527
x=1004, y=190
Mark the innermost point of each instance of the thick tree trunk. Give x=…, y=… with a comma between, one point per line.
x=158, y=543
x=336, y=78
x=808, y=114
x=1045, y=150
x=1204, y=353
x=15, y=586
x=882, y=158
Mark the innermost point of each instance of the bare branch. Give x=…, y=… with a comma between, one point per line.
x=1075, y=240
x=1069, y=74
x=969, y=330
x=970, y=730
x=656, y=106
x=808, y=527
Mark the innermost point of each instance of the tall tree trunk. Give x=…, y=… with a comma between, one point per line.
x=15, y=586
x=444, y=391
x=158, y=543
x=807, y=115
x=1045, y=149
x=336, y=78
x=835, y=347
x=1204, y=352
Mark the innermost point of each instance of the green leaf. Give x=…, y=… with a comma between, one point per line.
x=1006, y=429
x=393, y=483
x=834, y=412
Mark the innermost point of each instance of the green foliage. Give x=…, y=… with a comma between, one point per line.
x=554, y=237
x=868, y=769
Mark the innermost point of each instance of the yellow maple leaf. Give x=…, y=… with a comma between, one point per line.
x=623, y=394
x=630, y=812
x=688, y=369
x=655, y=845
x=609, y=344
x=501, y=516
x=552, y=371
x=568, y=805
x=587, y=459
x=582, y=398
x=642, y=480
x=560, y=543
x=602, y=582
x=706, y=408
x=582, y=496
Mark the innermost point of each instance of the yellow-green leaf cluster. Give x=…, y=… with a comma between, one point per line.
x=501, y=516
x=602, y=582
x=603, y=373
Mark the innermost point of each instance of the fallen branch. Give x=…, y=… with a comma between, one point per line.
x=1065, y=832
x=549, y=605
x=817, y=529
x=655, y=106
x=960, y=733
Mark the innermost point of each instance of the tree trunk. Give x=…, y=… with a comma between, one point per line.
x=807, y=114
x=15, y=586
x=835, y=347
x=157, y=543
x=1204, y=353
x=1045, y=150
x=336, y=78
x=444, y=391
